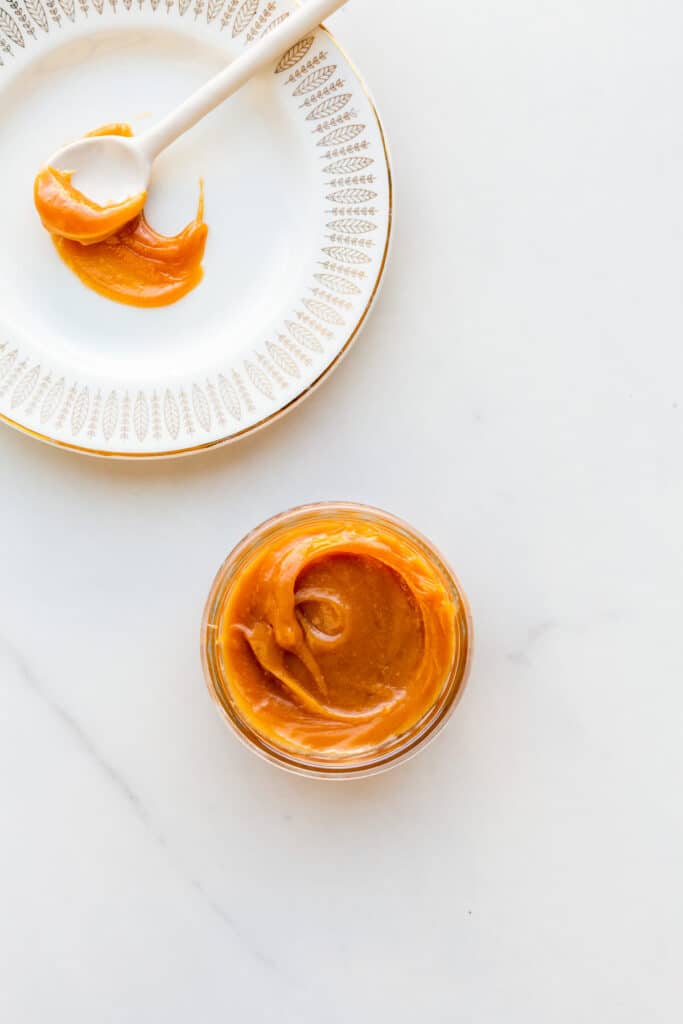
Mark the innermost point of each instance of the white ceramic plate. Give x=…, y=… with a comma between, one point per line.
x=298, y=203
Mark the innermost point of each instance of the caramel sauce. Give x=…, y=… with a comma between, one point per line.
x=112, y=249
x=336, y=637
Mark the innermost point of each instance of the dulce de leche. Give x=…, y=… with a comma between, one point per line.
x=112, y=248
x=337, y=635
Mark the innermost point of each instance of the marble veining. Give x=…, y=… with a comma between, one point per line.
x=107, y=771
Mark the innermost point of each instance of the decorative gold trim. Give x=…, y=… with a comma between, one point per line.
x=266, y=421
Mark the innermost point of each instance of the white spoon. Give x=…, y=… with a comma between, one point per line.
x=111, y=168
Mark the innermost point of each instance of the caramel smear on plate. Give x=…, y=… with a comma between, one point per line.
x=113, y=249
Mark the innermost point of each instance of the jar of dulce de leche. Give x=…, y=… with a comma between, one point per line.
x=336, y=641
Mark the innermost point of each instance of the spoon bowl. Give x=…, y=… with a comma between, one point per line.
x=106, y=168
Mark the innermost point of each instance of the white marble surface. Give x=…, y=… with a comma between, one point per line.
x=517, y=395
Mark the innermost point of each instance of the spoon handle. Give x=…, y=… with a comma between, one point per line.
x=258, y=56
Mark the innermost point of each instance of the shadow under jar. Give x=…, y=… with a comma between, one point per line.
x=336, y=641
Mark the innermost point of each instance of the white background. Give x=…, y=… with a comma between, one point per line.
x=516, y=395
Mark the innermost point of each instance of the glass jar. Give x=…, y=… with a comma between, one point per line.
x=352, y=764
